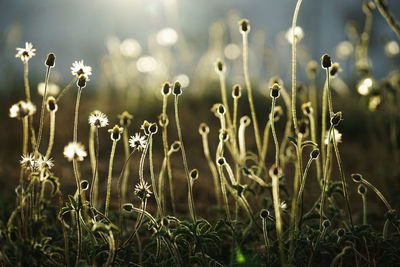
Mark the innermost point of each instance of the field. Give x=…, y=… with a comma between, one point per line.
x=227, y=157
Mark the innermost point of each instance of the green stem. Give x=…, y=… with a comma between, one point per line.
x=265, y=234
x=126, y=172
x=325, y=178
x=380, y=195
x=249, y=92
x=364, y=200
x=52, y=131
x=296, y=12
x=384, y=10
x=271, y=117
x=153, y=180
x=190, y=193
x=275, y=195
x=66, y=88
x=345, y=191
x=114, y=145
x=42, y=111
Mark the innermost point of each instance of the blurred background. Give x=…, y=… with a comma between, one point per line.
x=134, y=46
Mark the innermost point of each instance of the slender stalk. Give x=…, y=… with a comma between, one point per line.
x=111, y=242
x=153, y=180
x=314, y=139
x=126, y=172
x=52, y=131
x=364, y=201
x=264, y=149
x=294, y=117
x=379, y=194
x=249, y=91
x=190, y=193
x=271, y=118
x=224, y=97
x=325, y=177
x=120, y=201
x=26, y=82
x=95, y=183
x=299, y=196
x=225, y=196
x=25, y=137
x=217, y=187
x=345, y=191
x=323, y=121
x=384, y=10
x=66, y=88
x=278, y=225
x=110, y=165
x=265, y=234
x=286, y=99
x=42, y=111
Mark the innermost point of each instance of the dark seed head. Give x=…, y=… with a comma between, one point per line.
x=236, y=91
x=51, y=104
x=314, y=154
x=82, y=81
x=361, y=189
x=177, y=88
x=221, y=109
x=51, y=60
x=326, y=61
x=244, y=26
x=340, y=232
x=356, y=177
x=166, y=89
x=194, y=174
x=307, y=108
x=219, y=65
x=84, y=185
x=203, y=128
x=221, y=161
x=326, y=223
x=335, y=69
x=275, y=91
x=264, y=214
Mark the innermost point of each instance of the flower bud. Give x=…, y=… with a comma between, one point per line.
x=153, y=128
x=221, y=109
x=326, y=223
x=236, y=91
x=326, y=61
x=264, y=214
x=166, y=89
x=315, y=153
x=357, y=178
x=82, y=81
x=361, y=189
x=203, y=128
x=219, y=66
x=307, y=108
x=221, y=161
x=177, y=88
x=194, y=174
x=51, y=104
x=275, y=91
x=51, y=60
x=244, y=26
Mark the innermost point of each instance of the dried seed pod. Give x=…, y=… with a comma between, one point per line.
x=51, y=60
x=326, y=61
x=244, y=26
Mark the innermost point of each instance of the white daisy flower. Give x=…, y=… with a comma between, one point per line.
x=143, y=190
x=137, y=141
x=26, y=53
x=338, y=136
x=79, y=69
x=28, y=161
x=42, y=163
x=98, y=119
x=74, y=150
